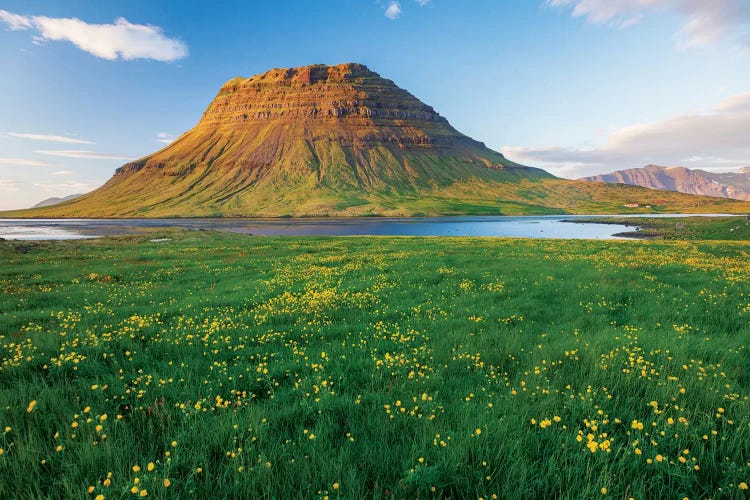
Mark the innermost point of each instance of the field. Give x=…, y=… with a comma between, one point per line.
x=217, y=365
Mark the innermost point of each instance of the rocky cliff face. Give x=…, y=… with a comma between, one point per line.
x=313, y=94
x=683, y=180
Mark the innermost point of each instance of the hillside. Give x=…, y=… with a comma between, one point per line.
x=685, y=180
x=338, y=140
x=55, y=200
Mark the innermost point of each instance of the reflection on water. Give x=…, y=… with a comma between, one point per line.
x=31, y=232
x=508, y=226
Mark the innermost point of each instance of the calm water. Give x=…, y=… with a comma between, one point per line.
x=522, y=227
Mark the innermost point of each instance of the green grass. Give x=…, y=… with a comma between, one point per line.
x=422, y=367
x=484, y=191
x=685, y=228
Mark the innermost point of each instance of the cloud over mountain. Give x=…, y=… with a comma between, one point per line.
x=705, y=21
x=49, y=138
x=713, y=139
x=84, y=155
x=120, y=40
x=393, y=11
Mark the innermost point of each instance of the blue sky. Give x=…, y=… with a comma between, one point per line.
x=574, y=86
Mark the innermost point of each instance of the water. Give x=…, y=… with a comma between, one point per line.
x=505, y=226
x=530, y=226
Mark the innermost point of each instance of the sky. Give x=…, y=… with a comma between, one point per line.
x=577, y=87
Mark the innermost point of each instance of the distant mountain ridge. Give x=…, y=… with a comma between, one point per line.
x=54, y=201
x=734, y=185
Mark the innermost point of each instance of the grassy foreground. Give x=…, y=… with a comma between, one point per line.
x=217, y=365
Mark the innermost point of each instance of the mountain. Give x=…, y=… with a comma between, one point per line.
x=54, y=201
x=684, y=180
x=335, y=140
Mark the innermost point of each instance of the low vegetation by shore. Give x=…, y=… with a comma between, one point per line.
x=681, y=228
x=212, y=364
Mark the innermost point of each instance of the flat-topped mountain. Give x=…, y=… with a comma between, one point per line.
x=333, y=140
x=685, y=180
x=328, y=128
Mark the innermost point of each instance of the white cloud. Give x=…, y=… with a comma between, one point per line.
x=49, y=138
x=64, y=188
x=393, y=11
x=84, y=155
x=9, y=186
x=165, y=138
x=22, y=193
x=64, y=172
x=25, y=162
x=423, y=2
x=714, y=139
x=706, y=21
x=121, y=40
x=14, y=21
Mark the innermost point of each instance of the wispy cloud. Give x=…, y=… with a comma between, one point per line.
x=706, y=21
x=121, y=40
x=49, y=138
x=64, y=172
x=9, y=186
x=64, y=188
x=713, y=139
x=393, y=11
x=165, y=138
x=25, y=162
x=16, y=193
x=15, y=22
x=83, y=155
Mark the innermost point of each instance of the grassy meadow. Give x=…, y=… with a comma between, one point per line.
x=216, y=365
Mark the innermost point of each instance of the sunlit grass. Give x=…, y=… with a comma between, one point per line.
x=221, y=365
